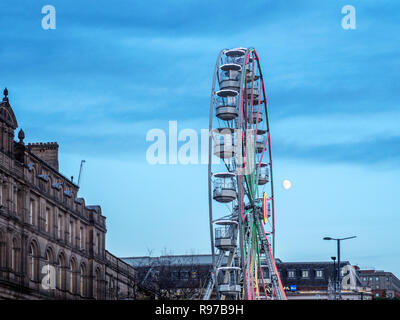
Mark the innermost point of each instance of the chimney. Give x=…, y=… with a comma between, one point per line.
x=48, y=152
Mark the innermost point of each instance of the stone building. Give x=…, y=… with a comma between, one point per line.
x=52, y=245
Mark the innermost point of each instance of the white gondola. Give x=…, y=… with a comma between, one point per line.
x=224, y=143
x=226, y=108
x=224, y=187
x=229, y=281
x=225, y=238
x=261, y=140
x=229, y=77
x=263, y=174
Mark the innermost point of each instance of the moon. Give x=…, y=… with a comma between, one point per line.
x=286, y=184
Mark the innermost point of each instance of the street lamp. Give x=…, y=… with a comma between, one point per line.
x=334, y=277
x=339, y=286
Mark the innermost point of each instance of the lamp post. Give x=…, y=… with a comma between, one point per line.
x=339, y=285
x=334, y=277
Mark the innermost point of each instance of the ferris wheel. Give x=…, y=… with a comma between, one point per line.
x=240, y=182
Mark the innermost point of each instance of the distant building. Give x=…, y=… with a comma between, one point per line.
x=301, y=280
x=383, y=284
x=315, y=281
x=52, y=245
x=171, y=276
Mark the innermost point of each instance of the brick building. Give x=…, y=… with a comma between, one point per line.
x=52, y=244
x=383, y=284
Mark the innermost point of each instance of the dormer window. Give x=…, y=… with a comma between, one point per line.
x=56, y=185
x=305, y=274
x=68, y=193
x=44, y=177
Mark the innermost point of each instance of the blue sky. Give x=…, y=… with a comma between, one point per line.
x=111, y=71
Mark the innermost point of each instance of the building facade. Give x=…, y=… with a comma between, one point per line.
x=171, y=277
x=52, y=245
x=316, y=281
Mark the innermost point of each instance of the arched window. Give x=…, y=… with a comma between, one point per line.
x=97, y=284
x=49, y=269
x=72, y=276
x=33, y=261
x=49, y=256
x=61, y=272
x=15, y=255
x=82, y=281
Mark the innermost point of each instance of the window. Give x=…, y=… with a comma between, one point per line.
x=31, y=204
x=81, y=240
x=59, y=226
x=16, y=201
x=14, y=255
x=61, y=272
x=175, y=275
x=364, y=279
x=4, y=197
x=71, y=231
x=304, y=274
x=377, y=279
x=72, y=276
x=49, y=270
x=47, y=220
x=2, y=247
x=98, y=243
x=319, y=273
x=82, y=281
x=49, y=256
x=33, y=261
x=97, y=285
x=291, y=274
x=370, y=278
